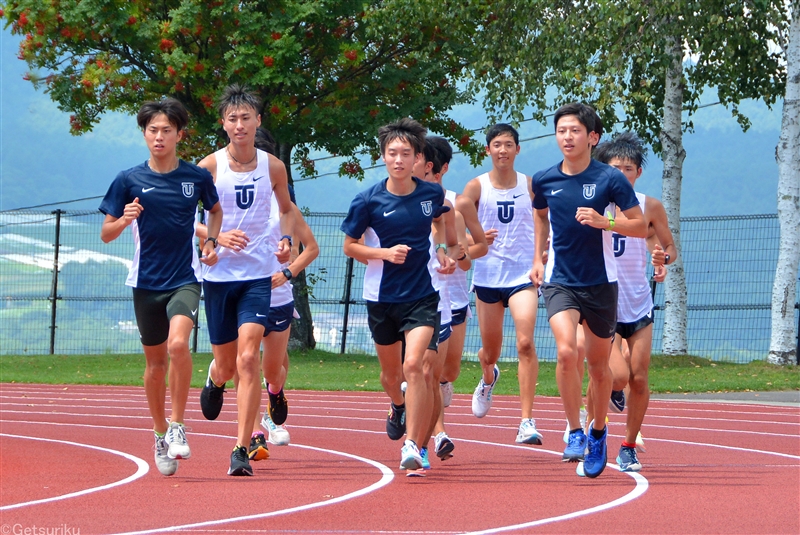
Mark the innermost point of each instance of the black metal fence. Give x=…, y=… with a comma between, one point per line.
x=84, y=307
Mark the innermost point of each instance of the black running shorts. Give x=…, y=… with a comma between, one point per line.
x=596, y=304
x=154, y=310
x=389, y=321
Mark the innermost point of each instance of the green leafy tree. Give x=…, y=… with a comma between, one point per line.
x=329, y=72
x=640, y=62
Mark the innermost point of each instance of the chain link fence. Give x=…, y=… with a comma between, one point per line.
x=84, y=307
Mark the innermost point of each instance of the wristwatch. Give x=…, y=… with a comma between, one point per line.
x=214, y=241
x=287, y=273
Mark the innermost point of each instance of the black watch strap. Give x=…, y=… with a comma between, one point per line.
x=287, y=273
x=214, y=241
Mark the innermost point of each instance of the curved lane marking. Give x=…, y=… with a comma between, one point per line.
x=141, y=469
x=386, y=477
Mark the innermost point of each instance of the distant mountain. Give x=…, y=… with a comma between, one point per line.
x=725, y=172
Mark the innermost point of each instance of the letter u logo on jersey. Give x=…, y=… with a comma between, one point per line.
x=588, y=190
x=188, y=189
x=619, y=244
x=427, y=207
x=245, y=195
x=505, y=211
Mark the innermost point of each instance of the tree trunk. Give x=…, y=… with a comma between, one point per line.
x=671, y=137
x=302, y=336
x=783, y=342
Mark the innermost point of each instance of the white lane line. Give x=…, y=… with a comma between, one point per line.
x=452, y=423
x=141, y=469
x=387, y=475
x=640, y=488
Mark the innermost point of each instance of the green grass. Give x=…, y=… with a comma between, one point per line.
x=320, y=370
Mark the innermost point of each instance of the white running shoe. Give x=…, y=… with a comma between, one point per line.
x=583, y=425
x=528, y=434
x=410, y=458
x=640, y=443
x=482, y=397
x=278, y=434
x=447, y=393
x=165, y=465
x=176, y=440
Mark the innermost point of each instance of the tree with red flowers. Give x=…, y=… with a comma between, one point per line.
x=329, y=73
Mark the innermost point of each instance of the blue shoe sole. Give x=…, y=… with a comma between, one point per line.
x=592, y=471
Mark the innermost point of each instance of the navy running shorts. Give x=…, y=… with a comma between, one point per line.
x=495, y=295
x=229, y=305
x=626, y=330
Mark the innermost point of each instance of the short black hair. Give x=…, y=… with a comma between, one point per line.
x=501, y=128
x=405, y=129
x=585, y=114
x=444, y=152
x=431, y=155
x=174, y=110
x=265, y=141
x=238, y=96
x=625, y=146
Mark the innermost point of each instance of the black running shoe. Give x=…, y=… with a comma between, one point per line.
x=617, y=402
x=278, y=407
x=211, y=398
x=258, y=447
x=240, y=464
x=396, y=422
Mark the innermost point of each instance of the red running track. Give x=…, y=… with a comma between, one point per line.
x=79, y=459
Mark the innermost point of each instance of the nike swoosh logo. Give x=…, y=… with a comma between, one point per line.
x=387, y=214
x=145, y=190
x=518, y=196
x=443, y=331
x=260, y=315
x=194, y=312
x=257, y=179
x=553, y=192
x=279, y=322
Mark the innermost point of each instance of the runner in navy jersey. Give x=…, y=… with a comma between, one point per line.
x=395, y=217
x=158, y=200
x=579, y=197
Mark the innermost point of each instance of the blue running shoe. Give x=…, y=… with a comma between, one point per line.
x=617, y=401
x=426, y=464
x=627, y=460
x=576, y=447
x=595, y=461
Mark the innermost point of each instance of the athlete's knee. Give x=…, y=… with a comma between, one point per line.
x=248, y=362
x=639, y=383
x=178, y=347
x=567, y=356
x=526, y=348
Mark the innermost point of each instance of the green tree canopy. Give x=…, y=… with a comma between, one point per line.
x=329, y=72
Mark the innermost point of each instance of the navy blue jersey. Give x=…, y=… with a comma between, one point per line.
x=386, y=220
x=581, y=255
x=165, y=257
